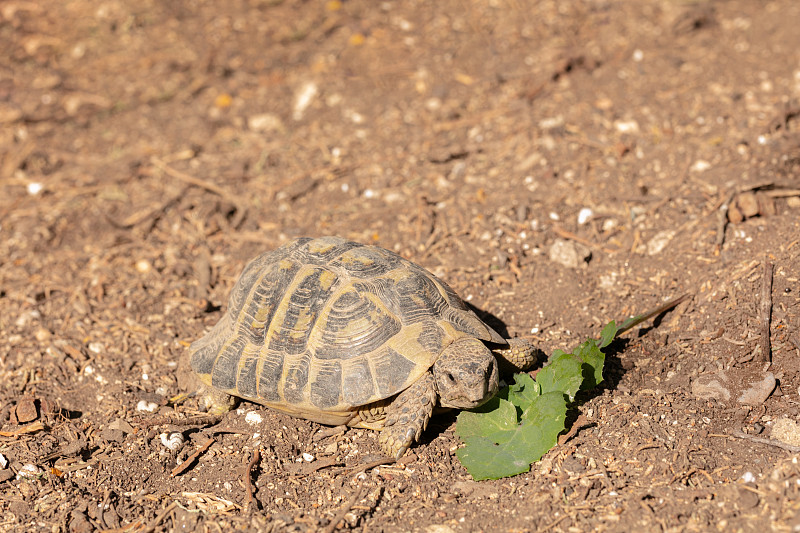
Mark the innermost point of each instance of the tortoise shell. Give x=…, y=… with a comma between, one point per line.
x=321, y=327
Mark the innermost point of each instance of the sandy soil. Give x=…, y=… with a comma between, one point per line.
x=149, y=149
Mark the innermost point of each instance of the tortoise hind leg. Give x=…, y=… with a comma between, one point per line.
x=215, y=402
x=209, y=399
x=407, y=416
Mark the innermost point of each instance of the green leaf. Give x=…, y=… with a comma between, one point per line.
x=608, y=334
x=562, y=373
x=593, y=361
x=486, y=460
x=522, y=422
x=524, y=391
x=494, y=449
x=490, y=420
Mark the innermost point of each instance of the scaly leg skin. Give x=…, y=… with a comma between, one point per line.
x=209, y=399
x=215, y=402
x=520, y=356
x=407, y=416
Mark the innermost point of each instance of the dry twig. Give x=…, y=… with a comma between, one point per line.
x=30, y=428
x=205, y=420
x=319, y=465
x=768, y=442
x=580, y=423
x=372, y=464
x=328, y=432
x=344, y=510
x=251, y=500
x=189, y=460
x=766, y=312
x=561, y=232
x=722, y=220
x=238, y=203
x=161, y=516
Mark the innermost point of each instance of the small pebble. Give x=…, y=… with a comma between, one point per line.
x=584, y=215
x=307, y=457
x=29, y=471
x=27, y=317
x=265, y=122
x=786, y=430
x=148, y=407
x=568, y=253
x=26, y=411
x=143, y=266
x=35, y=188
x=700, y=166
x=3, y=461
x=748, y=477
x=253, y=418
x=304, y=97
x=758, y=391
x=96, y=347
x=439, y=528
x=711, y=386
x=659, y=241
x=626, y=126
x=551, y=122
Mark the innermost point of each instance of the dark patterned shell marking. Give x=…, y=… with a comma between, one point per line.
x=328, y=325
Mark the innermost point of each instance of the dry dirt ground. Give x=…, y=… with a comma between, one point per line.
x=149, y=149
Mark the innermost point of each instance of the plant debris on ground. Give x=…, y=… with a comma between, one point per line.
x=558, y=163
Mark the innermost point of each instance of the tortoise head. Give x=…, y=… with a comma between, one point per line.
x=465, y=374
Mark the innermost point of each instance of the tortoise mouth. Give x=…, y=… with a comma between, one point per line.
x=467, y=403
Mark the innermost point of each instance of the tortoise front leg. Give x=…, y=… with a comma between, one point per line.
x=520, y=356
x=407, y=416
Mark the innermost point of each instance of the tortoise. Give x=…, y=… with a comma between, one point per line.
x=339, y=332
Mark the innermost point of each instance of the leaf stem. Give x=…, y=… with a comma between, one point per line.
x=663, y=308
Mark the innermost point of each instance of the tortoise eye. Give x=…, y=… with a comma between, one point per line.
x=450, y=377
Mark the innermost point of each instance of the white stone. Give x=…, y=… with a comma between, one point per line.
x=626, y=126
x=304, y=98
x=253, y=418
x=29, y=471
x=147, y=407
x=660, y=241
x=584, y=215
x=264, y=122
